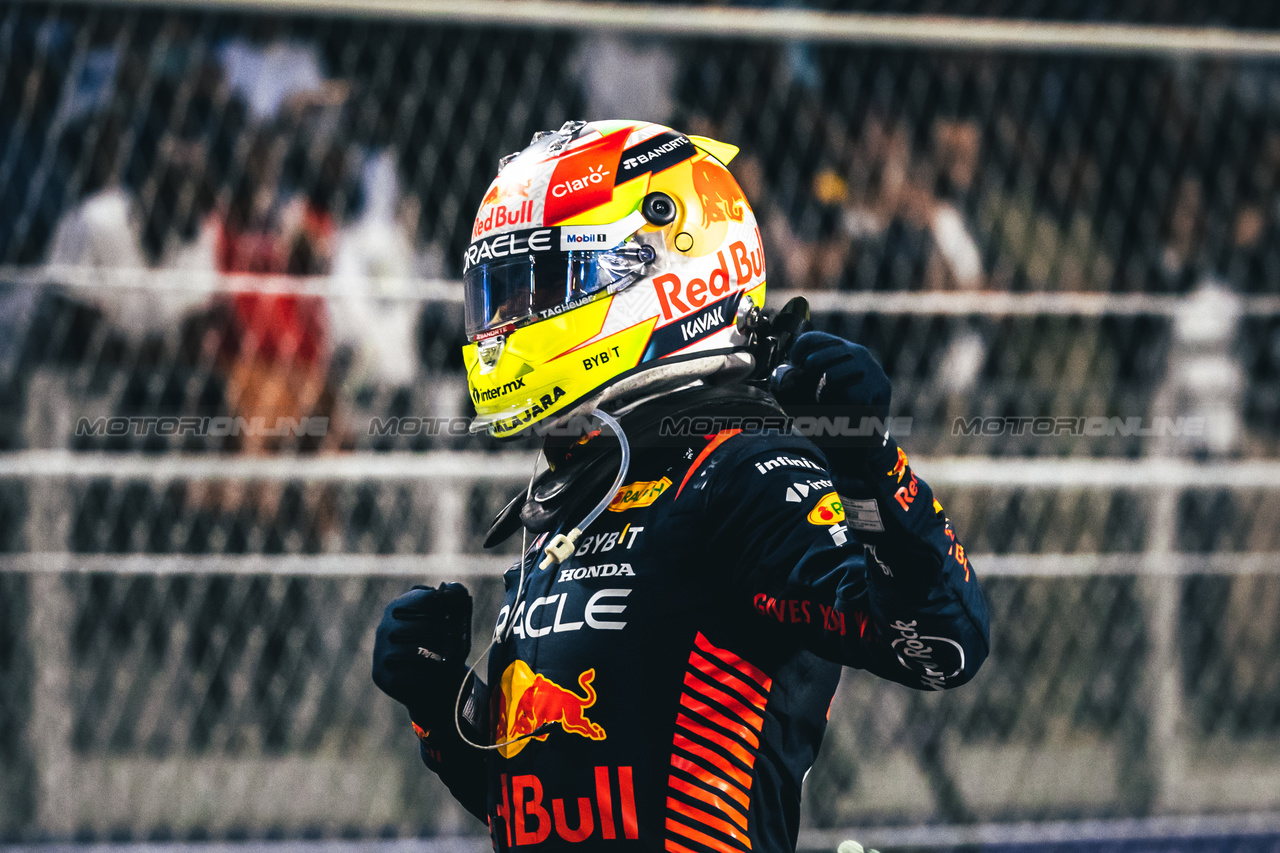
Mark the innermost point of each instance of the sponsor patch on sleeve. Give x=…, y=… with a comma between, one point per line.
x=638, y=494
x=864, y=515
x=829, y=510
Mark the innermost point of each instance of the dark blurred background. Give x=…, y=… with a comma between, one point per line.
x=219, y=214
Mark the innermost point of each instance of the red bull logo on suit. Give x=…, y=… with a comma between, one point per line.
x=529, y=703
x=529, y=813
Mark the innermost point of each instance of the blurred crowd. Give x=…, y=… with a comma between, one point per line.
x=329, y=169
x=153, y=147
x=353, y=154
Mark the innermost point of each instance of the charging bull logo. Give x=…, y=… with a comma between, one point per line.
x=530, y=703
x=899, y=467
x=718, y=193
x=503, y=190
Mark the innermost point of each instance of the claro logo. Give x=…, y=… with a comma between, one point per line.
x=595, y=175
x=677, y=297
x=584, y=178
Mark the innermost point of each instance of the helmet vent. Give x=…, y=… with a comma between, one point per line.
x=567, y=133
x=658, y=209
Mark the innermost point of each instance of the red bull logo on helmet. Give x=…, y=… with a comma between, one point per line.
x=530, y=703
x=505, y=189
x=718, y=193
x=679, y=297
x=505, y=205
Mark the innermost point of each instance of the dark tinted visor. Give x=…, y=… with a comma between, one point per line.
x=512, y=290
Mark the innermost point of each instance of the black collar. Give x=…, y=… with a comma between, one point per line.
x=584, y=469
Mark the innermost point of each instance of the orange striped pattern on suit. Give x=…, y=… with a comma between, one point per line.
x=714, y=750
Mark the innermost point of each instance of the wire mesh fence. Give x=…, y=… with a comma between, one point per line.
x=1067, y=264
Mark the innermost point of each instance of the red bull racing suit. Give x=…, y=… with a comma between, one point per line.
x=676, y=673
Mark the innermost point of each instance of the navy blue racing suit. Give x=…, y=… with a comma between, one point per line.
x=677, y=672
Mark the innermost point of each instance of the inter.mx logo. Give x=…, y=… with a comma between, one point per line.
x=481, y=396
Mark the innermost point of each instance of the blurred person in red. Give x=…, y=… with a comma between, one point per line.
x=277, y=349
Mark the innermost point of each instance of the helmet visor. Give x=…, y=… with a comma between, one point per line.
x=526, y=288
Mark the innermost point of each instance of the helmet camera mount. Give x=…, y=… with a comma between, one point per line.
x=773, y=337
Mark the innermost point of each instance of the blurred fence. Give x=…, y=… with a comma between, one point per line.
x=176, y=695
x=1057, y=255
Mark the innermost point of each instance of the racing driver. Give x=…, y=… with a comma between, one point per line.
x=692, y=584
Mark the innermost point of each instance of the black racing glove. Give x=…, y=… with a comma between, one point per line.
x=420, y=654
x=826, y=377
x=829, y=376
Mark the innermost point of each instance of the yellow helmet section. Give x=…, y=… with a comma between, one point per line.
x=543, y=368
x=703, y=262
x=707, y=198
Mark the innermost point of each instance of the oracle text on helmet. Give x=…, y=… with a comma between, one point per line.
x=504, y=245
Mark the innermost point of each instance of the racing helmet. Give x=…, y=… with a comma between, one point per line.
x=609, y=261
